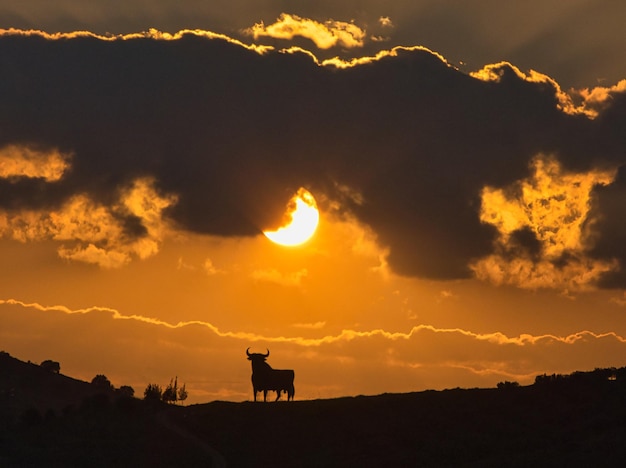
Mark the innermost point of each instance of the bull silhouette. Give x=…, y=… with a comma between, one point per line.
x=264, y=378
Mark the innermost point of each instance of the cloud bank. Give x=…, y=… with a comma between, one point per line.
x=202, y=133
x=407, y=358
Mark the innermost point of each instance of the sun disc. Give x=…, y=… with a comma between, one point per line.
x=303, y=218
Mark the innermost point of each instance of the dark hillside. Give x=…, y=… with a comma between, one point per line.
x=525, y=426
x=24, y=386
x=575, y=420
x=105, y=436
x=51, y=420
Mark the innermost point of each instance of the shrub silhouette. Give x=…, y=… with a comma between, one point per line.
x=182, y=393
x=51, y=366
x=506, y=385
x=102, y=383
x=153, y=392
x=126, y=391
x=172, y=393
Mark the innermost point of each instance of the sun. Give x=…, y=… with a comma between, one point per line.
x=302, y=220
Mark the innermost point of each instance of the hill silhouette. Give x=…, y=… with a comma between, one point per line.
x=572, y=420
x=24, y=385
x=50, y=420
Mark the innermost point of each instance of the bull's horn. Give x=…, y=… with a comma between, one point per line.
x=268, y=353
x=248, y=352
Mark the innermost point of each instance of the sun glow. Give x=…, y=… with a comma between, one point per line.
x=302, y=218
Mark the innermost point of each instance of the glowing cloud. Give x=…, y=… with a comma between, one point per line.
x=21, y=161
x=587, y=101
x=209, y=268
x=149, y=34
x=97, y=234
x=325, y=35
x=495, y=72
x=543, y=225
x=596, y=99
x=385, y=22
x=346, y=335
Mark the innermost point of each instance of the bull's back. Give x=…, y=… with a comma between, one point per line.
x=277, y=379
x=287, y=373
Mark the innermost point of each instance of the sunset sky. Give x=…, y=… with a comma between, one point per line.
x=467, y=160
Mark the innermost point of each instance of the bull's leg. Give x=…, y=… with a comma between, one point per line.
x=278, y=392
x=254, y=391
x=264, y=395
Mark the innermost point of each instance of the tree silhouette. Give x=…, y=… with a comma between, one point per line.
x=153, y=392
x=506, y=385
x=182, y=393
x=101, y=382
x=170, y=394
x=51, y=366
x=126, y=391
x=174, y=392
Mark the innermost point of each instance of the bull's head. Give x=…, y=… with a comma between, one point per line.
x=252, y=356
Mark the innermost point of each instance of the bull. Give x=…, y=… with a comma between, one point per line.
x=264, y=378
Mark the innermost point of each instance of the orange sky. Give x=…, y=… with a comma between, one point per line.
x=469, y=231
x=331, y=309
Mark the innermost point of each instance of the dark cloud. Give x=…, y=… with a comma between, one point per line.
x=578, y=42
x=523, y=243
x=610, y=228
x=234, y=133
